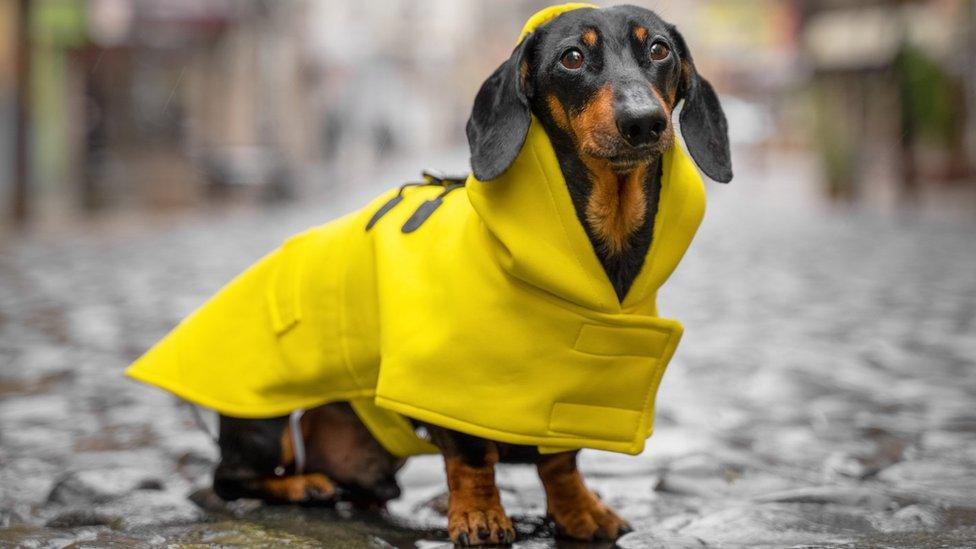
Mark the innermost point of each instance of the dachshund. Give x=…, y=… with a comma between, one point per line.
x=604, y=84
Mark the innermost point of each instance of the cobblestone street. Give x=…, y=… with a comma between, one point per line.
x=823, y=394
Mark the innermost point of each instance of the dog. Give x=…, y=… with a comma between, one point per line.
x=603, y=84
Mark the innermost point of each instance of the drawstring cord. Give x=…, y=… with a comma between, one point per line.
x=297, y=440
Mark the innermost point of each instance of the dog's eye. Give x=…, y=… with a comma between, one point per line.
x=572, y=59
x=659, y=51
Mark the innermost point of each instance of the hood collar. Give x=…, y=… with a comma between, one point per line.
x=540, y=240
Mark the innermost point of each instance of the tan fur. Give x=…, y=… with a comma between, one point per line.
x=577, y=512
x=640, y=33
x=558, y=113
x=474, y=507
x=595, y=125
x=297, y=488
x=590, y=37
x=617, y=204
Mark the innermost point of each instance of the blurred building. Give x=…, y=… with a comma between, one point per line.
x=154, y=101
x=398, y=77
x=157, y=104
x=893, y=85
x=149, y=105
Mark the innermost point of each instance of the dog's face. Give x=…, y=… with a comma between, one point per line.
x=609, y=78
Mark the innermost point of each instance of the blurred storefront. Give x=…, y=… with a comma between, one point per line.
x=153, y=103
x=893, y=87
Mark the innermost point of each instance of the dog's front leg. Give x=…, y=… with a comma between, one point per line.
x=577, y=512
x=474, y=515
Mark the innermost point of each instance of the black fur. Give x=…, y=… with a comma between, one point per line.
x=500, y=118
x=501, y=113
x=703, y=123
x=473, y=450
x=249, y=449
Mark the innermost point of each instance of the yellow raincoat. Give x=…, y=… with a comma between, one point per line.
x=493, y=317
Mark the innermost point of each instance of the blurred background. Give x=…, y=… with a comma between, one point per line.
x=136, y=106
x=823, y=393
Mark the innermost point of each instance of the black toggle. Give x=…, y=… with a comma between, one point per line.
x=391, y=203
x=427, y=208
x=383, y=209
x=421, y=215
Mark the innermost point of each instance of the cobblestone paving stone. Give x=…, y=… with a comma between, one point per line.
x=823, y=395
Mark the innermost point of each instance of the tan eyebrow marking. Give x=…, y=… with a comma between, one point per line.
x=640, y=33
x=590, y=37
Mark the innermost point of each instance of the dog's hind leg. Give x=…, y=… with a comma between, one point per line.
x=340, y=445
x=311, y=458
x=257, y=460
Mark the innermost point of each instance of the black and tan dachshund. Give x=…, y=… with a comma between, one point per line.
x=603, y=83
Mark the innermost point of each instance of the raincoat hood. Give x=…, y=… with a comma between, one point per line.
x=482, y=309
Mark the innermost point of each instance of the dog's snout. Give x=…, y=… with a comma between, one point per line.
x=641, y=125
x=641, y=120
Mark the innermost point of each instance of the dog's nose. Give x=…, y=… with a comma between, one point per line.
x=641, y=125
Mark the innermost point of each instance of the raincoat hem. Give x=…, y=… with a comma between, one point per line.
x=245, y=411
x=546, y=444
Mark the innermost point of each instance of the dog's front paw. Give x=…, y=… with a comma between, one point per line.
x=469, y=523
x=586, y=518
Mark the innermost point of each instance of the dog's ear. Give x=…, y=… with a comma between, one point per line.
x=702, y=119
x=500, y=117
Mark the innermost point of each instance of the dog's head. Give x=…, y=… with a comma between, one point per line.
x=609, y=80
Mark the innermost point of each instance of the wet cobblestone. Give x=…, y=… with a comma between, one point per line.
x=823, y=394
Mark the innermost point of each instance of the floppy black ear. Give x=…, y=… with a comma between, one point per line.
x=500, y=117
x=702, y=119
